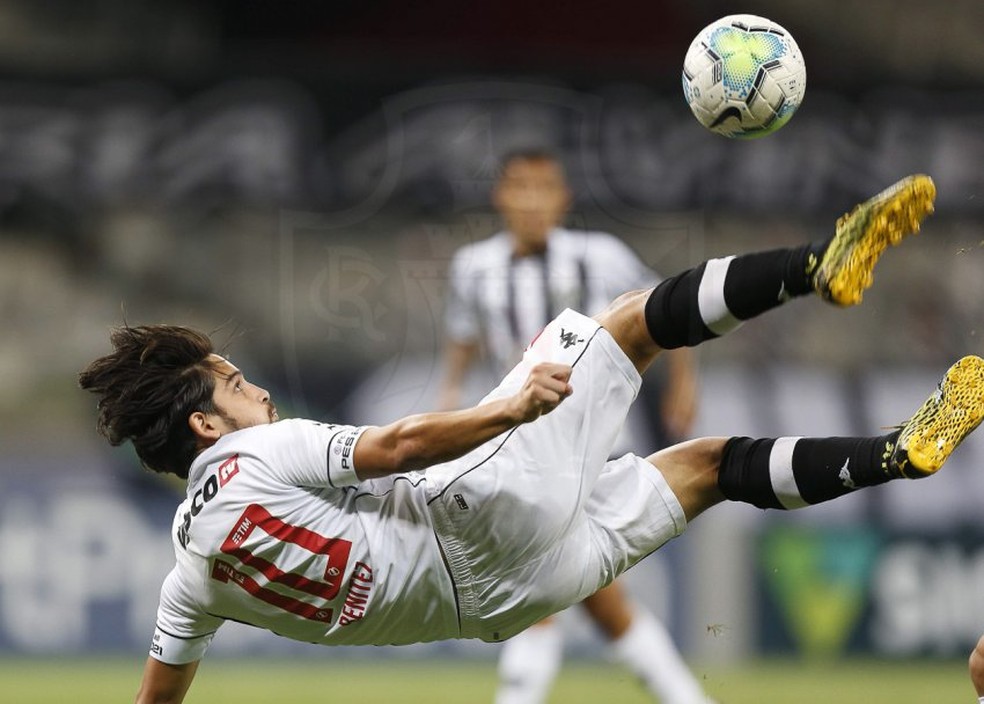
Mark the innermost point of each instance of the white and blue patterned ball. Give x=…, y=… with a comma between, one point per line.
x=743, y=76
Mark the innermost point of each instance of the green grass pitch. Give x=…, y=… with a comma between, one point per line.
x=430, y=682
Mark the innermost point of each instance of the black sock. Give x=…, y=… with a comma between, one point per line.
x=717, y=296
x=787, y=473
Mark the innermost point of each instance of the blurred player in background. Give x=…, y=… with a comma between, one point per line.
x=482, y=522
x=503, y=291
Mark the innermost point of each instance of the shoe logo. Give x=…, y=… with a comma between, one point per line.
x=845, y=475
x=569, y=339
x=893, y=467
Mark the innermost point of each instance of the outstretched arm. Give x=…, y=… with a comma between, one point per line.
x=419, y=441
x=165, y=684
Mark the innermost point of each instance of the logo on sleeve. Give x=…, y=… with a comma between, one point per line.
x=346, y=446
x=569, y=339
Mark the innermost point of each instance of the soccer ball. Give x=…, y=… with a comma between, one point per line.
x=743, y=76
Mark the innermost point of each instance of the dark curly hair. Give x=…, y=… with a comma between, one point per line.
x=156, y=377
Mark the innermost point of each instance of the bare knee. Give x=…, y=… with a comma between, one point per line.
x=691, y=470
x=976, y=665
x=625, y=320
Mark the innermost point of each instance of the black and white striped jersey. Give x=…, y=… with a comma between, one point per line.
x=504, y=301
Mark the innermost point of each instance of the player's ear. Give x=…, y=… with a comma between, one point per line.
x=202, y=426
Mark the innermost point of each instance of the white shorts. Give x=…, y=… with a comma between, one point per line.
x=538, y=519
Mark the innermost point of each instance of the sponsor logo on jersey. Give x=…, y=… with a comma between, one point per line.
x=569, y=339
x=208, y=491
x=228, y=469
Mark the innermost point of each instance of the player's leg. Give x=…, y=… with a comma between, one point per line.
x=529, y=663
x=610, y=610
x=633, y=510
x=718, y=295
x=641, y=643
x=792, y=472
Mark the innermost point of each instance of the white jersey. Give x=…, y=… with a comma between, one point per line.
x=263, y=538
x=506, y=301
x=484, y=546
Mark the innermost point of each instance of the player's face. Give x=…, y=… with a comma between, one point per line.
x=532, y=196
x=240, y=404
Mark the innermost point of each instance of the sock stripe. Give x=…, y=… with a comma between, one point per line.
x=710, y=298
x=781, y=473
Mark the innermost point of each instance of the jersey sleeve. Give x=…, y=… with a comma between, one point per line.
x=182, y=633
x=461, y=319
x=308, y=453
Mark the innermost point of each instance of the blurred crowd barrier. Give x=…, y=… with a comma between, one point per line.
x=352, y=151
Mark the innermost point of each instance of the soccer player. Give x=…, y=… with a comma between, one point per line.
x=480, y=522
x=502, y=292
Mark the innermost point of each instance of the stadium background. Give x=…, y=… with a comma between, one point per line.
x=296, y=179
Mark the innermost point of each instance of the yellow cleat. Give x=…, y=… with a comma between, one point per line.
x=845, y=270
x=947, y=417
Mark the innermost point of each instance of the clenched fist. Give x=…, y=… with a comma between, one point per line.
x=545, y=387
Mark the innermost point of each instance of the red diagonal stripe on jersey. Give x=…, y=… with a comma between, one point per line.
x=326, y=590
x=307, y=539
x=224, y=572
x=335, y=550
